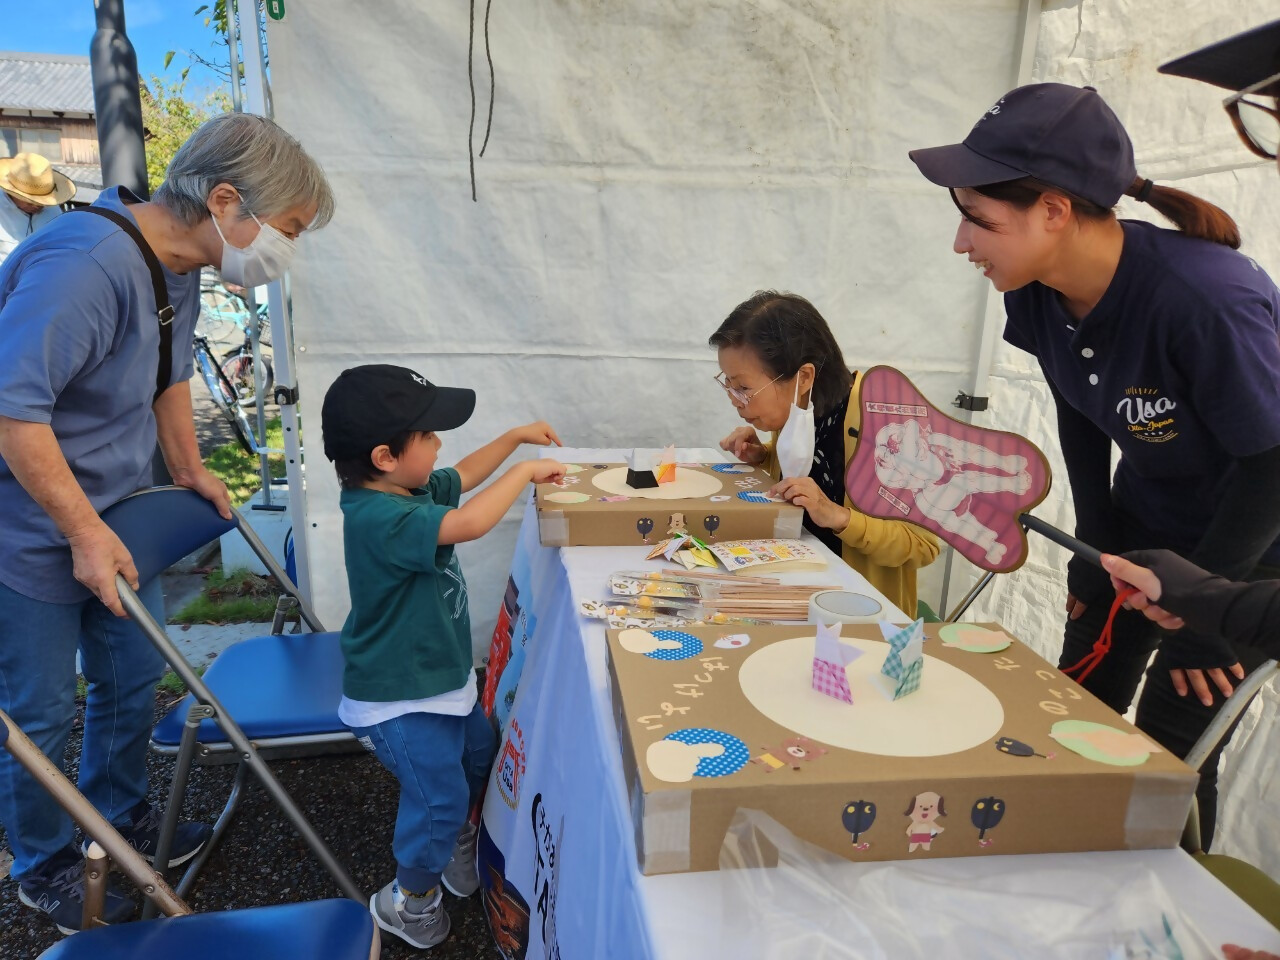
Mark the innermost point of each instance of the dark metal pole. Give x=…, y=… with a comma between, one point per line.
x=117, y=101
x=118, y=104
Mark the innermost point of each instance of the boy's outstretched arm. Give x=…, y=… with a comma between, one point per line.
x=482, y=512
x=475, y=468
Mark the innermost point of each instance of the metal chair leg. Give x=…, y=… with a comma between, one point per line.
x=269, y=561
x=93, y=823
x=219, y=829
x=248, y=754
x=196, y=713
x=96, y=867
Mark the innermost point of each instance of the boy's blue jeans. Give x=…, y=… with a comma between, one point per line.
x=38, y=643
x=442, y=763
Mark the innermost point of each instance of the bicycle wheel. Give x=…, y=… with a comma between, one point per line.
x=224, y=396
x=221, y=314
x=237, y=367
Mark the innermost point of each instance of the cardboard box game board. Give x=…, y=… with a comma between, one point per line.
x=997, y=752
x=594, y=506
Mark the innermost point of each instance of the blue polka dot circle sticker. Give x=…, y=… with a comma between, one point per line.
x=690, y=646
x=755, y=496
x=731, y=468
x=733, y=759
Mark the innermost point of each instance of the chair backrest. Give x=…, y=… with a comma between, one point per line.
x=1219, y=727
x=162, y=525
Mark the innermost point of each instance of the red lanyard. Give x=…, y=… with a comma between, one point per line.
x=1103, y=643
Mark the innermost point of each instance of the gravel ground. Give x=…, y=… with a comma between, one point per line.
x=350, y=800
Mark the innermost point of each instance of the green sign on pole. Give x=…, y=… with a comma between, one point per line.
x=275, y=9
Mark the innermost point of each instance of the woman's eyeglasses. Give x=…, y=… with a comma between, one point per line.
x=737, y=395
x=1257, y=124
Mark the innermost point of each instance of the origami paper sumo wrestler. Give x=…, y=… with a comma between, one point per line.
x=830, y=657
x=905, y=663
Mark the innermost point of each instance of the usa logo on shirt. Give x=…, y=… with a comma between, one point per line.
x=1148, y=415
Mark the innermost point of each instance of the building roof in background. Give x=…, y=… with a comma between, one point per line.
x=45, y=81
x=86, y=176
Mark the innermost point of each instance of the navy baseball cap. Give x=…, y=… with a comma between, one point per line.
x=368, y=406
x=1060, y=134
x=1234, y=63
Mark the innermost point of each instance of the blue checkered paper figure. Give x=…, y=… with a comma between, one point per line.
x=905, y=663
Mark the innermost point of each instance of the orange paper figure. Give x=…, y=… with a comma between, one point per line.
x=665, y=472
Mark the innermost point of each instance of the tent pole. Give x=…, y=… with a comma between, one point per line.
x=993, y=306
x=257, y=99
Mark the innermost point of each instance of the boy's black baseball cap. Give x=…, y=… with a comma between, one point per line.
x=1060, y=134
x=1234, y=63
x=368, y=406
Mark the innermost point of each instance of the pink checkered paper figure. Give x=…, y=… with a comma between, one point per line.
x=967, y=484
x=830, y=657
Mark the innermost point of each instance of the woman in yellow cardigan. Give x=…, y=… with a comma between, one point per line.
x=785, y=375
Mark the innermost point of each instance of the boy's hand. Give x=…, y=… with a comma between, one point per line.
x=545, y=471
x=539, y=434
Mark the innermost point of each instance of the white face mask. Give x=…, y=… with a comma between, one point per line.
x=265, y=259
x=796, y=439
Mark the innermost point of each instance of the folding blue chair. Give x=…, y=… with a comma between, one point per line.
x=328, y=929
x=1249, y=883
x=269, y=696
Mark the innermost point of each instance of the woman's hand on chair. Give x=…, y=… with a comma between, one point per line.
x=744, y=444
x=97, y=555
x=804, y=492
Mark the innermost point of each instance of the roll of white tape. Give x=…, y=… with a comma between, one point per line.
x=843, y=606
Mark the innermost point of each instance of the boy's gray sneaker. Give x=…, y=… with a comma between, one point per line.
x=460, y=877
x=415, y=920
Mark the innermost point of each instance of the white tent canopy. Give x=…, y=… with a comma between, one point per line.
x=652, y=163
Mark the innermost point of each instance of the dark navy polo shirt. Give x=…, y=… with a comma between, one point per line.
x=1179, y=364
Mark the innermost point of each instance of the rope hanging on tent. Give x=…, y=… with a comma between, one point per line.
x=488, y=56
x=1103, y=644
x=471, y=82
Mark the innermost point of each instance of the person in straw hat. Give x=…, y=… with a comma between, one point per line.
x=94, y=376
x=34, y=192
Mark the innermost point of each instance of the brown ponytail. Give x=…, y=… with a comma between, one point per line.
x=1193, y=216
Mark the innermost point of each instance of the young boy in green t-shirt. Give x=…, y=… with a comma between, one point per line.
x=409, y=693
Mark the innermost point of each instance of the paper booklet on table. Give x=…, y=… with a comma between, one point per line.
x=759, y=555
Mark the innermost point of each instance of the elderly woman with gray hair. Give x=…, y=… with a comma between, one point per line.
x=95, y=375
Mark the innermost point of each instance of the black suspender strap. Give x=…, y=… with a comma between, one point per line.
x=164, y=310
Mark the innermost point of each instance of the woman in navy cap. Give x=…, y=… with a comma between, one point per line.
x=1162, y=341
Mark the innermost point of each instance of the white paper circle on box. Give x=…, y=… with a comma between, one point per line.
x=567, y=496
x=676, y=762
x=642, y=641
x=951, y=711
x=688, y=485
